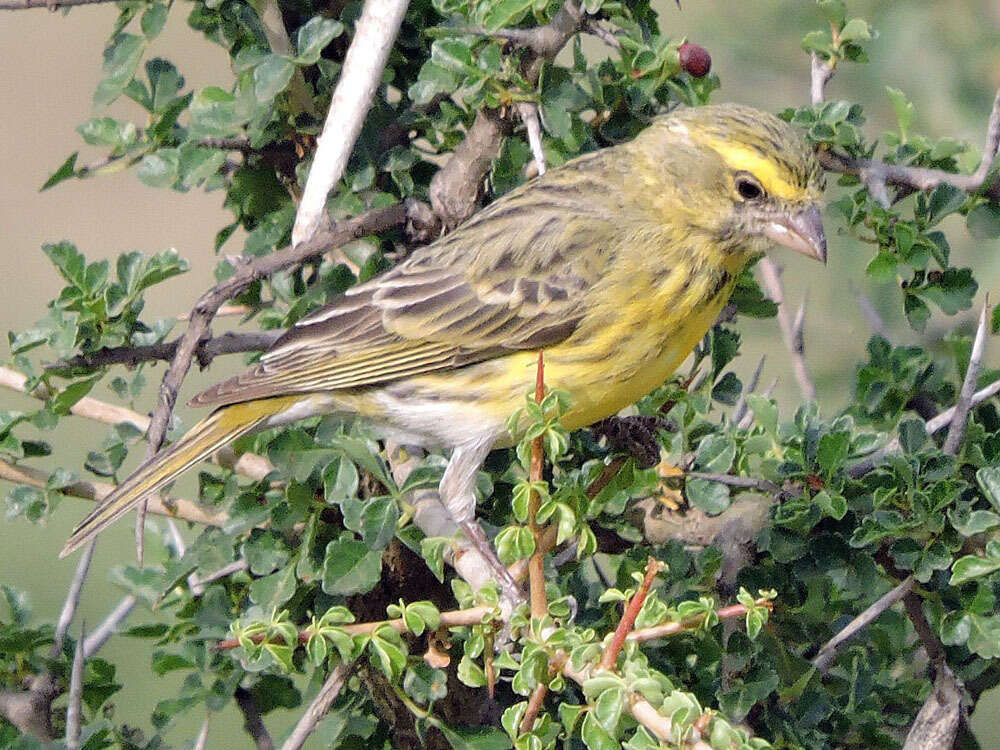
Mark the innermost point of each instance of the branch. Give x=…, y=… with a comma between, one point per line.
x=938, y=721
x=72, y=600
x=822, y=72
x=201, y=741
x=610, y=656
x=528, y=112
x=207, y=350
x=318, y=708
x=27, y=4
x=74, y=709
x=93, y=642
x=249, y=465
x=933, y=425
x=252, y=721
x=361, y=75
x=829, y=650
x=960, y=419
x=877, y=174
x=731, y=480
x=791, y=329
x=185, y=510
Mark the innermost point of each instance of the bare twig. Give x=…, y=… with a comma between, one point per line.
x=199, y=583
x=740, y=408
x=960, y=419
x=318, y=708
x=791, y=329
x=361, y=75
x=610, y=656
x=74, y=709
x=528, y=111
x=201, y=741
x=828, y=652
x=72, y=600
x=593, y=27
x=874, y=320
x=535, y=701
x=252, y=721
x=93, y=643
x=822, y=72
x=931, y=643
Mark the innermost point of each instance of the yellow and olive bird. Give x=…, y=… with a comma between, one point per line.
x=614, y=265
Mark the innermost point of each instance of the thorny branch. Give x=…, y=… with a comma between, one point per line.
x=791, y=328
x=318, y=708
x=960, y=419
x=610, y=656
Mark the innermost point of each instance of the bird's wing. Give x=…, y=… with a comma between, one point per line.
x=510, y=279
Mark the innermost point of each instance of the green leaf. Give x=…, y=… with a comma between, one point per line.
x=378, y=522
x=715, y=454
x=272, y=76
x=903, y=108
x=213, y=114
x=153, y=20
x=159, y=170
x=968, y=567
x=711, y=497
x=882, y=268
x=313, y=37
x=475, y=738
x=121, y=58
x=66, y=170
x=506, y=13
x=832, y=451
x=857, y=29
x=349, y=567
x=63, y=401
x=989, y=482
x=983, y=221
x=945, y=200
x=388, y=652
x=834, y=11
x=69, y=261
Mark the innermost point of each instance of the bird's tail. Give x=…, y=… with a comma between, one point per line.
x=215, y=431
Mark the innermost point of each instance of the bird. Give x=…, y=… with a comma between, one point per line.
x=613, y=266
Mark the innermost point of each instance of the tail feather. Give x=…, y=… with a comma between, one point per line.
x=215, y=431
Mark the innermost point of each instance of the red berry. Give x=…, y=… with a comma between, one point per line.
x=695, y=60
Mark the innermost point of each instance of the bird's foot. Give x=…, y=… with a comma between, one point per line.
x=638, y=436
x=508, y=586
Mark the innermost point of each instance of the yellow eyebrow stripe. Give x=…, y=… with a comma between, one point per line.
x=766, y=170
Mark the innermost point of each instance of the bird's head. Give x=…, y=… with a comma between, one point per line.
x=757, y=180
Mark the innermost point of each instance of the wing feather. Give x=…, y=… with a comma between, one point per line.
x=513, y=278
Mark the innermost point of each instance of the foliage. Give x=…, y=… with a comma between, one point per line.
x=331, y=544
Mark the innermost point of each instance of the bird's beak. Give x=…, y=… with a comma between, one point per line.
x=802, y=232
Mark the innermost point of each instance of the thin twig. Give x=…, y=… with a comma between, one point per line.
x=535, y=701
x=528, y=111
x=610, y=656
x=828, y=652
x=790, y=332
x=593, y=27
x=740, y=408
x=960, y=419
x=318, y=708
x=74, y=709
x=96, y=640
x=252, y=721
x=49, y=4
x=928, y=638
x=72, y=600
x=374, y=34
x=201, y=742
x=199, y=583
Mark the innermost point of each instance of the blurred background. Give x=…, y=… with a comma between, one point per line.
x=944, y=56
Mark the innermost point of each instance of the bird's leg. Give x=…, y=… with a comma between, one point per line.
x=637, y=436
x=458, y=494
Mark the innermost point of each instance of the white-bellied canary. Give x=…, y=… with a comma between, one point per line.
x=614, y=264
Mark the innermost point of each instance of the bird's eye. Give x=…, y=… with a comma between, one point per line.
x=748, y=188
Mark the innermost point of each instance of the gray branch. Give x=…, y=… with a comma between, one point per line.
x=318, y=708
x=960, y=418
